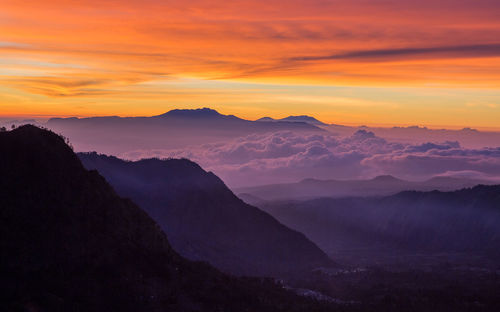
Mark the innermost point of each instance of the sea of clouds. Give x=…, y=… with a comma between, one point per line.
x=288, y=157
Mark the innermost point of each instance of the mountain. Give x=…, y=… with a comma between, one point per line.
x=69, y=243
x=378, y=186
x=464, y=221
x=266, y=119
x=302, y=118
x=205, y=220
x=200, y=113
x=175, y=129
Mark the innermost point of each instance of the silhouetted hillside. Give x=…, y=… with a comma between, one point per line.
x=465, y=221
x=204, y=220
x=69, y=243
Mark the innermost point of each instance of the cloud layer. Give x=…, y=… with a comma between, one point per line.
x=288, y=157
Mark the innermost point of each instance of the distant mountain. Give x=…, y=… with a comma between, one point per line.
x=69, y=243
x=266, y=119
x=205, y=220
x=200, y=113
x=302, y=118
x=174, y=129
x=378, y=186
x=465, y=221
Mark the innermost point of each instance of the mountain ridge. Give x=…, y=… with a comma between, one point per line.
x=205, y=220
x=173, y=130
x=383, y=185
x=69, y=243
x=462, y=221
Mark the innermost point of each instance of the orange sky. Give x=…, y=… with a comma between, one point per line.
x=358, y=62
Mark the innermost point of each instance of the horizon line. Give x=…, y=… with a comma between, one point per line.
x=46, y=117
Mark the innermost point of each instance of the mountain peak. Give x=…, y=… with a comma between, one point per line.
x=189, y=113
x=32, y=139
x=266, y=119
x=300, y=118
x=303, y=118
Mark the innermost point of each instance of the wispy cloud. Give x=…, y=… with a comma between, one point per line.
x=60, y=86
x=461, y=51
x=7, y=44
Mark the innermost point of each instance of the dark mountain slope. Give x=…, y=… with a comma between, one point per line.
x=465, y=221
x=69, y=243
x=205, y=220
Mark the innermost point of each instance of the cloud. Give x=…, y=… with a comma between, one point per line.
x=421, y=148
x=243, y=39
x=61, y=87
x=433, y=159
x=458, y=51
x=7, y=44
x=470, y=174
x=288, y=157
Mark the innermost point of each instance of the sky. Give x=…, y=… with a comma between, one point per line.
x=356, y=62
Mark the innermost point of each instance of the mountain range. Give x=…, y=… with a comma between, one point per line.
x=378, y=186
x=70, y=243
x=464, y=221
x=73, y=127
x=174, y=129
x=205, y=221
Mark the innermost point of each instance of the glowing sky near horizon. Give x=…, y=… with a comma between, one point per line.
x=434, y=63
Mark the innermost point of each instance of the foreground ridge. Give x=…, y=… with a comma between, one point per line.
x=70, y=243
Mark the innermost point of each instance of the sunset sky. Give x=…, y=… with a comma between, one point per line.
x=433, y=63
